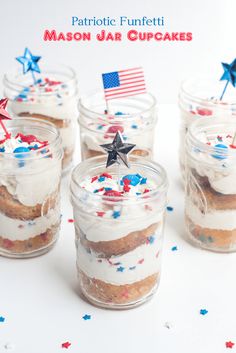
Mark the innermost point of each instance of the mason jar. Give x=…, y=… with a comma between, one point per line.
x=52, y=98
x=30, y=173
x=119, y=219
x=210, y=205
x=135, y=117
x=199, y=97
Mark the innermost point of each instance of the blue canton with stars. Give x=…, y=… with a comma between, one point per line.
x=111, y=80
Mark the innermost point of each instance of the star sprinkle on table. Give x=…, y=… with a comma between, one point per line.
x=86, y=317
x=229, y=344
x=2, y=319
x=203, y=312
x=174, y=248
x=117, y=150
x=170, y=208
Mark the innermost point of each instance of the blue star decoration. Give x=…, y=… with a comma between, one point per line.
x=174, y=248
x=2, y=319
x=29, y=61
x=203, y=312
x=120, y=269
x=229, y=75
x=117, y=150
x=86, y=317
x=170, y=208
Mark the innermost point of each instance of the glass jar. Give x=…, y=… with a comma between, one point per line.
x=53, y=98
x=200, y=97
x=135, y=117
x=30, y=175
x=210, y=206
x=118, y=234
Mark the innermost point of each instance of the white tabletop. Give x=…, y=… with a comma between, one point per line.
x=42, y=309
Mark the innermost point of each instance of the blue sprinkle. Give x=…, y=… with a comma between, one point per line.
x=58, y=95
x=138, y=193
x=139, y=176
x=143, y=181
x=107, y=189
x=22, y=95
x=44, y=151
x=170, y=208
x=100, y=127
x=203, y=311
x=26, y=89
x=21, y=164
x=64, y=85
x=124, y=137
x=134, y=179
x=39, y=80
x=120, y=269
x=132, y=268
x=95, y=191
x=86, y=317
x=2, y=319
x=134, y=126
x=119, y=113
x=174, y=248
x=116, y=214
x=121, y=182
x=20, y=150
x=31, y=223
x=2, y=149
x=219, y=156
x=151, y=239
x=101, y=178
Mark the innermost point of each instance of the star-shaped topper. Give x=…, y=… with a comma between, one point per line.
x=4, y=115
x=117, y=150
x=229, y=75
x=29, y=62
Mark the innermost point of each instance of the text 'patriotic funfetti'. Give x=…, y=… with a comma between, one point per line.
x=124, y=83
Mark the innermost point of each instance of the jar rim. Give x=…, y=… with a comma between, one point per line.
x=200, y=100
x=103, y=116
x=151, y=165
x=202, y=125
x=39, y=124
x=10, y=77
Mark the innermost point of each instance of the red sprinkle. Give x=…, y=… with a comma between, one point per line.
x=147, y=207
x=113, y=129
x=94, y=178
x=126, y=188
x=106, y=175
x=66, y=345
x=229, y=344
x=146, y=190
x=232, y=146
x=229, y=136
x=71, y=220
x=140, y=261
x=112, y=193
x=100, y=213
x=208, y=143
x=126, y=181
x=204, y=111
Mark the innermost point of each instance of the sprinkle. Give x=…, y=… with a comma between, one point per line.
x=229, y=137
x=120, y=269
x=133, y=178
x=143, y=181
x=134, y=126
x=138, y=193
x=100, y=127
x=132, y=268
x=147, y=207
x=2, y=319
x=71, y=220
x=203, y=312
x=100, y=213
x=140, y=262
x=31, y=223
x=112, y=193
x=204, y=111
x=174, y=248
x=66, y=345
x=151, y=239
x=107, y=189
x=114, y=129
x=116, y=214
x=86, y=317
x=101, y=178
x=94, y=178
x=229, y=344
x=126, y=188
x=146, y=190
x=106, y=175
x=170, y=208
x=219, y=138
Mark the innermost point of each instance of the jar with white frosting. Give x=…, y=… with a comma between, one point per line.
x=52, y=98
x=199, y=97
x=118, y=218
x=210, y=206
x=30, y=173
x=135, y=117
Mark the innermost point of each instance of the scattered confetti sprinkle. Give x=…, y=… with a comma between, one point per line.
x=170, y=208
x=86, y=317
x=2, y=319
x=174, y=248
x=229, y=344
x=203, y=312
x=66, y=345
x=116, y=214
x=120, y=269
x=71, y=220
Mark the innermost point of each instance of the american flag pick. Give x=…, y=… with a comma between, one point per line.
x=124, y=83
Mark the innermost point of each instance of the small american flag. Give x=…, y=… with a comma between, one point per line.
x=124, y=83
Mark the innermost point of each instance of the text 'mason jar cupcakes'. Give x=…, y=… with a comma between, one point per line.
x=30, y=172
x=135, y=117
x=119, y=230
x=52, y=98
x=211, y=184
x=199, y=97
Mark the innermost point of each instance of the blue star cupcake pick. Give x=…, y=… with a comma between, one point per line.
x=229, y=75
x=30, y=63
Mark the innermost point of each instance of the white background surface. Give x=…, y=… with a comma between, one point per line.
x=39, y=297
